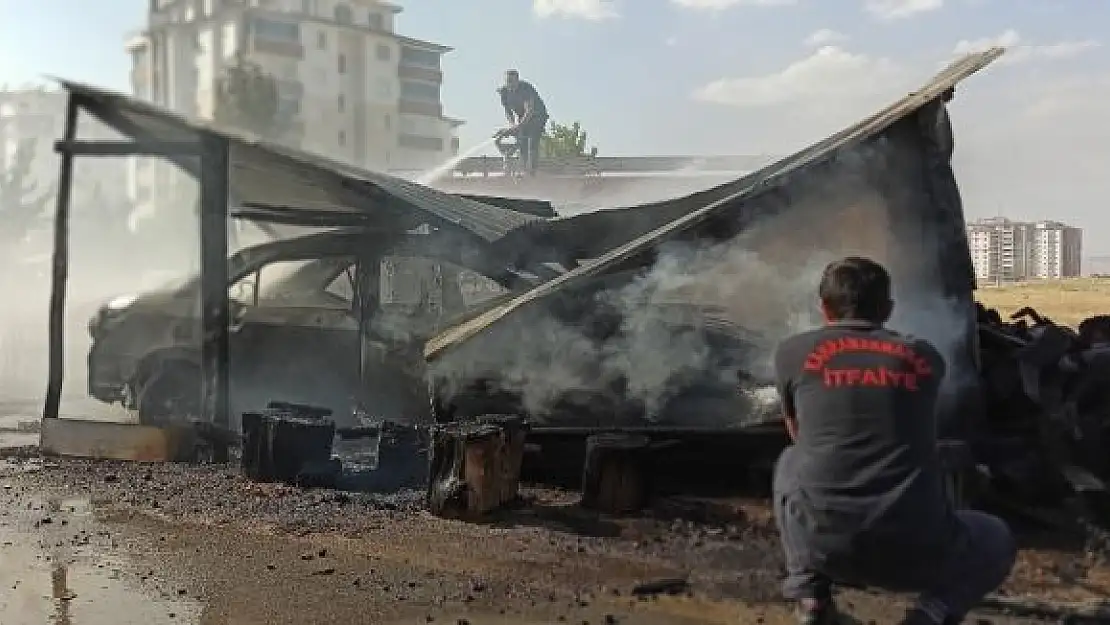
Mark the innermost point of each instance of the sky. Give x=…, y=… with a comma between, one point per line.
x=705, y=77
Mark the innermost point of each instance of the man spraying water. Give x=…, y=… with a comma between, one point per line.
x=527, y=116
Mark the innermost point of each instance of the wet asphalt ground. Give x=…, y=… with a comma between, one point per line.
x=102, y=543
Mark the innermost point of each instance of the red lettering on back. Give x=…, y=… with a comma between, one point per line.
x=873, y=378
x=823, y=353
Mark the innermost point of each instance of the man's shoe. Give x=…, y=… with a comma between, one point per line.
x=815, y=612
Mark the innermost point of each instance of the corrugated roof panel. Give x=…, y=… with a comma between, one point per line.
x=265, y=173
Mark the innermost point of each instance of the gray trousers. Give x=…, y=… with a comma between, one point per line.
x=974, y=565
x=529, y=137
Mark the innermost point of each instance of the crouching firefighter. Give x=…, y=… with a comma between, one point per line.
x=527, y=116
x=858, y=496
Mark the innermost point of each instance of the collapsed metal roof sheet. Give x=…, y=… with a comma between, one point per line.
x=591, y=234
x=266, y=174
x=727, y=196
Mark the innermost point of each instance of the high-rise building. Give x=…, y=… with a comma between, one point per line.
x=1004, y=250
x=354, y=89
x=1058, y=250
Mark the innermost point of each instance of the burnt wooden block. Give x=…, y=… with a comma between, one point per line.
x=278, y=448
x=474, y=467
x=514, y=431
x=613, y=477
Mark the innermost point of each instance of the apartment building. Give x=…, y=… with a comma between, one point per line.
x=354, y=88
x=1057, y=249
x=1004, y=250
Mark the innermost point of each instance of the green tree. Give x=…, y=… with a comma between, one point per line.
x=22, y=203
x=566, y=141
x=247, y=100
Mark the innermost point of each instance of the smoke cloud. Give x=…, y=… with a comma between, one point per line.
x=763, y=281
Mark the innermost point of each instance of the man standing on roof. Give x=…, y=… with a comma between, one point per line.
x=527, y=116
x=859, y=497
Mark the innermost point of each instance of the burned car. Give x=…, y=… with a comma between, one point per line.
x=295, y=328
x=296, y=318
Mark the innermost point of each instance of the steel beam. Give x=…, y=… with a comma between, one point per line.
x=127, y=148
x=60, y=272
x=215, y=317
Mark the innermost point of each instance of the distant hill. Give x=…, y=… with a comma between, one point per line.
x=1096, y=264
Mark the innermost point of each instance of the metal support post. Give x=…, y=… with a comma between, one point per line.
x=60, y=272
x=215, y=315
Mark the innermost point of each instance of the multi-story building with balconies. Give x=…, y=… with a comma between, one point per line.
x=1058, y=250
x=354, y=89
x=1004, y=250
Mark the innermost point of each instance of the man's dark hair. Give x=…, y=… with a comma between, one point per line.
x=856, y=288
x=1095, y=329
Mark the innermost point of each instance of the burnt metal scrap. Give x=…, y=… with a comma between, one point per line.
x=1046, y=411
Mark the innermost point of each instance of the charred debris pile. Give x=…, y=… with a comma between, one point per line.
x=1042, y=441
x=1036, y=446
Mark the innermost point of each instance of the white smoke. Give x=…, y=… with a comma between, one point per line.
x=764, y=280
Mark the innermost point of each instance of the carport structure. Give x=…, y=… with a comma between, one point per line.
x=244, y=177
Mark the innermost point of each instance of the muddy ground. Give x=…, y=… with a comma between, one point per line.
x=89, y=543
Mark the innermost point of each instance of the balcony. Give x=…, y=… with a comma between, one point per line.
x=424, y=74
x=280, y=48
x=417, y=142
x=416, y=57
x=420, y=107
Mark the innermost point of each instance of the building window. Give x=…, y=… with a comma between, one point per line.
x=416, y=142
x=321, y=40
x=231, y=42
x=307, y=7
x=289, y=106
x=273, y=30
x=342, y=64
x=377, y=22
x=343, y=14
x=290, y=88
x=420, y=58
x=388, y=121
x=424, y=91
x=342, y=103
x=342, y=138
x=384, y=53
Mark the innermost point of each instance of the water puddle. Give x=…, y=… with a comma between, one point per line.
x=18, y=431
x=19, y=423
x=66, y=585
